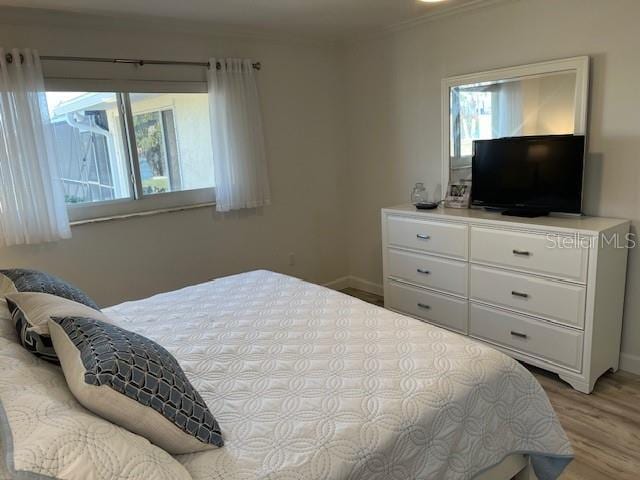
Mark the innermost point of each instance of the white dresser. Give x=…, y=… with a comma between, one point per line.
x=548, y=291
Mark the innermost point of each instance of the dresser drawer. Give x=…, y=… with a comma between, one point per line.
x=562, y=346
x=433, y=272
x=441, y=238
x=561, y=302
x=528, y=251
x=442, y=310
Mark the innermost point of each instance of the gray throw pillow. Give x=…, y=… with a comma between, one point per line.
x=133, y=382
x=24, y=280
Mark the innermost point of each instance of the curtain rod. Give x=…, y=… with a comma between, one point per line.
x=139, y=62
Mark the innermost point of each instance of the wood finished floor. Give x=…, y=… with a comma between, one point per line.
x=604, y=427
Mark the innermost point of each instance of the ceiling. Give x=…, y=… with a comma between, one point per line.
x=320, y=17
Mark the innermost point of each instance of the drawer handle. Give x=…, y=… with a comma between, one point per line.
x=519, y=294
x=422, y=236
x=423, y=271
x=522, y=253
x=518, y=334
x=424, y=305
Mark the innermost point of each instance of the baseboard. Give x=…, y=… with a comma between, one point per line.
x=355, y=282
x=630, y=363
x=365, y=285
x=339, y=283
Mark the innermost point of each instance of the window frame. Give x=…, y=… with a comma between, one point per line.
x=137, y=202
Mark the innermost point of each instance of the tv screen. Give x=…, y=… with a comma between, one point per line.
x=541, y=173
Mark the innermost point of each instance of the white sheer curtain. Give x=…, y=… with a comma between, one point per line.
x=32, y=207
x=239, y=158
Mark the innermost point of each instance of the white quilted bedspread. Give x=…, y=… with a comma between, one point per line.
x=308, y=383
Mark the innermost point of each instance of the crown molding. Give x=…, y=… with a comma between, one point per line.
x=443, y=13
x=432, y=16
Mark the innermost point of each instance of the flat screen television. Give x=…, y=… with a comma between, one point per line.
x=529, y=176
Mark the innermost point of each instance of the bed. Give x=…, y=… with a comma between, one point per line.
x=308, y=383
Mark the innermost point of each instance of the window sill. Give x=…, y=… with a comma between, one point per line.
x=125, y=216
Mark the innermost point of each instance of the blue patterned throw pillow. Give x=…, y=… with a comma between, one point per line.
x=135, y=383
x=39, y=345
x=24, y=280
x=31, y=311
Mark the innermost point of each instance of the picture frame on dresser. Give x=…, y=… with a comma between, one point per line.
x=458, y=195
x=548, y=291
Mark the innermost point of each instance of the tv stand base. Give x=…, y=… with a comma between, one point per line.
x=526, y=213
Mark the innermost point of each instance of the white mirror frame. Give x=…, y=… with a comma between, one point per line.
x=578, y=64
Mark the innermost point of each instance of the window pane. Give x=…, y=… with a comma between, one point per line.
x=173, y=141
x=90, y=150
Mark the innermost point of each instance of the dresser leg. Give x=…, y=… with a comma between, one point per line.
x=616, y=366
x=579, y=385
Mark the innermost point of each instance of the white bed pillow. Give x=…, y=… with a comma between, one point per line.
x=133, y=382
x=45, y=433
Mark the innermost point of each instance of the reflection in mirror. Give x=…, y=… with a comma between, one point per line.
x=531, y=105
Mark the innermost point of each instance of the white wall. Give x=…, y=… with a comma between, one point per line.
x=394, y=110
x=301, y=97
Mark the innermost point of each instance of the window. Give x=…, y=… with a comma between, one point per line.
x=127, y=152
x=91, y=156
x=173, y=139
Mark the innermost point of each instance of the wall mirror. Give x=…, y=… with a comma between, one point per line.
x=546, y=98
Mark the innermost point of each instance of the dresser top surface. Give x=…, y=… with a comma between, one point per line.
x=583, y=223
